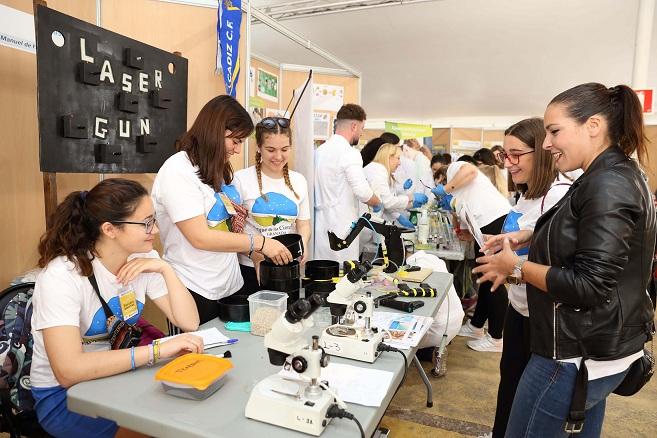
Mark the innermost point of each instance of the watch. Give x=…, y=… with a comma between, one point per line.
x=516, y=277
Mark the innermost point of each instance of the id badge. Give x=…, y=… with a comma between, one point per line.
x=128, y=300
x=229, y=205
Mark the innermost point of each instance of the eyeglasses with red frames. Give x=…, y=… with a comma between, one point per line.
x=148, y=224
x=513, y=158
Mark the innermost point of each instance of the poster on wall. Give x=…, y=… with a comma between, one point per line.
x=17, y=29
x=646, y=99
x=321, y=125
x=107, y=103
x=272, y=112
x=327, y=97
x=267, y=85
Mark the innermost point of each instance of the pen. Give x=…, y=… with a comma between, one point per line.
x=226, y=354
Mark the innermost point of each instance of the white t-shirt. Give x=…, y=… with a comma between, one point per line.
x=278, y=214
x=179, y=194
x=484, y=201
x=523, y=216
x=63, y=297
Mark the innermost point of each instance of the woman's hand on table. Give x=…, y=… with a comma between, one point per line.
x=181, y=344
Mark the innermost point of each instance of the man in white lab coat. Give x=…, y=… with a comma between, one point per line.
x=340, y=184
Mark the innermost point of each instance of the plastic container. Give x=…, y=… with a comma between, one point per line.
x=234, y=308
x=265, y=307
x=194, y=376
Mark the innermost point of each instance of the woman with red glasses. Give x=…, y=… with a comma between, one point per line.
x=275, y=197
x=533, y=172
x=199, y=210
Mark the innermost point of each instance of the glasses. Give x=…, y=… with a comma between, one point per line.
x=270, y=122
x=513, y=158
x=148, y=224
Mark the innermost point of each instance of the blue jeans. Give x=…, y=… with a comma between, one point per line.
x=55, y=418
x=542, y=401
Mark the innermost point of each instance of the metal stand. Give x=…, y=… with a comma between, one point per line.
x=426, y=381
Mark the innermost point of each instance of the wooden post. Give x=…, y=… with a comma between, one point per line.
x=49, y=194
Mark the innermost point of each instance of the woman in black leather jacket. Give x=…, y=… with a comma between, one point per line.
x=589, y=266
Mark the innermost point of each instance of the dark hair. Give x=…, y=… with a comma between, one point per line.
x=370, y=149
x=467, y=159
x=485, y=156
x=389, y=137
x=351, y=111
x=532, y=133
x=438, y=158
x=205, y=141
x=75, y=224
x=261, y=132
x=447, y=157
x=441, y=172
x=619, y=105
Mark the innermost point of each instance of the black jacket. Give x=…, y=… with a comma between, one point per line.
x=599, y=241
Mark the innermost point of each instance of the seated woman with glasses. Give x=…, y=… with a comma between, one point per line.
x=276, y=198
x=106, y=233
x=199, y=210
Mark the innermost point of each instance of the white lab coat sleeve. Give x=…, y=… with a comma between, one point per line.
x=379, y=180
x=353, y=171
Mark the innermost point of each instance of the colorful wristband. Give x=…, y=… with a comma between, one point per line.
x=132, y=358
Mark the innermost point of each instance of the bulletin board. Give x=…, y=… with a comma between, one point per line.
x=106, y=103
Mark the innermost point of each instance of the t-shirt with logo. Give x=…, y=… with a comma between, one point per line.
x=278, y=213
x=179, y=194
x=63, y=297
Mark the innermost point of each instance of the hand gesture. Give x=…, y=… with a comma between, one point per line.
x=181, y=344
x=134, y=267
x=276, y=251
x=497, y=267
x=517, y=240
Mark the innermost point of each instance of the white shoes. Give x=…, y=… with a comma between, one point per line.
x=486, y=343
x=471, y=331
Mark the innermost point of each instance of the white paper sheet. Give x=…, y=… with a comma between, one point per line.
x=472, y=224
x=212, y=337
x=363, y=386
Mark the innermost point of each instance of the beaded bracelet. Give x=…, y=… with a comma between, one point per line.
x=132, y=358
x=251, y=244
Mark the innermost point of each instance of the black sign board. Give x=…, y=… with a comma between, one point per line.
x=107, y=103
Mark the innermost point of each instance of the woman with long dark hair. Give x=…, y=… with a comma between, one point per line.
x=199, y=210
x=107, y=235
x=589, y=265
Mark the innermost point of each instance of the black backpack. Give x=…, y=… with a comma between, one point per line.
x=17, y=415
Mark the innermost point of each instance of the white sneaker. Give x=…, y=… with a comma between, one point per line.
x=471, y=331
x=487, y=343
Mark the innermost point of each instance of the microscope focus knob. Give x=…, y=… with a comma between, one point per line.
x=299, y=364
x=360, y=307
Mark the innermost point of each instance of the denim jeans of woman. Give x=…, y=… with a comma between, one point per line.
x=542, y=400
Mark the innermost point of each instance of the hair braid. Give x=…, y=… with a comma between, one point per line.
x=258, y=166
x=288, y=183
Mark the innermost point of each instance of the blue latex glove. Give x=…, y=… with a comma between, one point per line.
x=446, y=202
x=377, y=208
x=419, y=199
x=439, y=191
x=404, y=222
x=408, y=184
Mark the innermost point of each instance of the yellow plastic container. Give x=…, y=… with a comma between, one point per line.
x=194, y=376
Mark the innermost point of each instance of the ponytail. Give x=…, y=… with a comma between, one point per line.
x=75, y=224
x=619, y=105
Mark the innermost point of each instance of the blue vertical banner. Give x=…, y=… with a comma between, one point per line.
x=229, y=20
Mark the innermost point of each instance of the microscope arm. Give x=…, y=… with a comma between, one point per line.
x=391, y=236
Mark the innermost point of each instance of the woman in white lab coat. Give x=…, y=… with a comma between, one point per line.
x=379, y=175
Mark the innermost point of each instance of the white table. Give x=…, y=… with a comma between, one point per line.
x=136, y=401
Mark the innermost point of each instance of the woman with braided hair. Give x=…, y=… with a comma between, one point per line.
x=276, y=198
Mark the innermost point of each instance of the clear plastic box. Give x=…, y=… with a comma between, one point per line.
x=264, y=309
